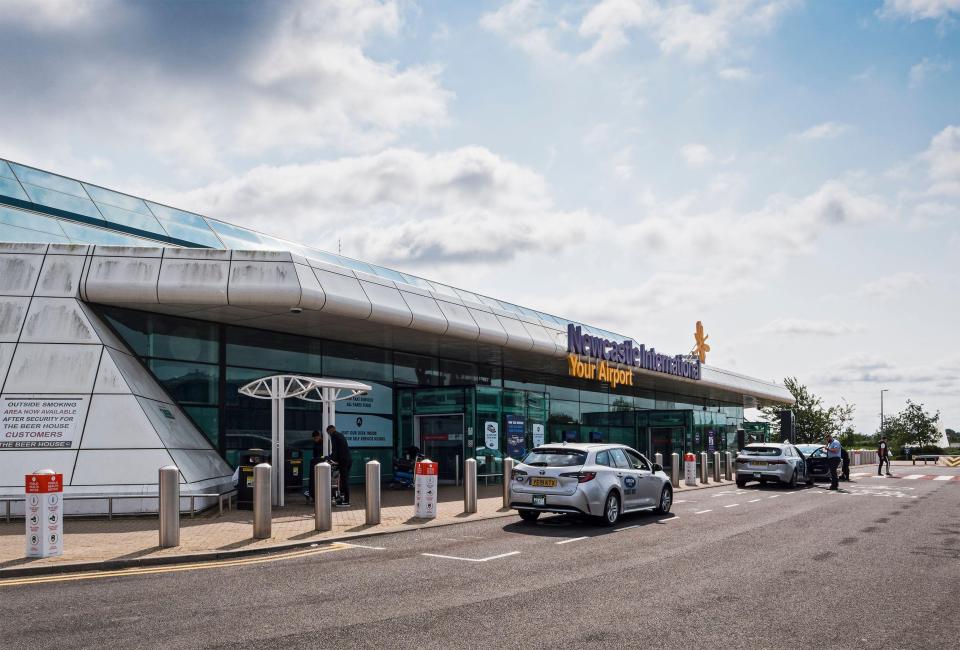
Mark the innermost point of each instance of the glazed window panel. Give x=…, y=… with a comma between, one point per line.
x=48, y=181
x=274, y=351
x=61, y=201
x=10, y=187
x=188, y=383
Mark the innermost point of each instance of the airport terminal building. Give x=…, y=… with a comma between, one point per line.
x=127, y=328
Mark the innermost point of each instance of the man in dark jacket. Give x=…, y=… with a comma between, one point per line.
x=844, y=464
x=340, y=453
x=883, y=453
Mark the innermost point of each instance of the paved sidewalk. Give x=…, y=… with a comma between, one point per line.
x=100, y=543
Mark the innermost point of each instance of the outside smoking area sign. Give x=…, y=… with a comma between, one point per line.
x=44, y=513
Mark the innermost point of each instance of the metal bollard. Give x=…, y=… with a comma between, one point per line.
x=470, y=486
x=323, y=519
x=704, y=468
x=716, y=467
x=728, y=468
x=373, y=493
x=507, y=476
x=675, y=469
x=169, y=508
x=262, y=505
x=658, y=459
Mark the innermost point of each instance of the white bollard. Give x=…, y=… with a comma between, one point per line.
x=690, y=470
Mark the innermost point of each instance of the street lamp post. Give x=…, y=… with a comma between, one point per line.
x=881, y=410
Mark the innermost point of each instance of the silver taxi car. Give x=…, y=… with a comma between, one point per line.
x=599, y=480
x=772, y=462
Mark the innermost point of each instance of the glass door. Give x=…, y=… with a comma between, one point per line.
x=440, y=438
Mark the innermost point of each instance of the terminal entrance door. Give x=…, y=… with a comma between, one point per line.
x=440, y=438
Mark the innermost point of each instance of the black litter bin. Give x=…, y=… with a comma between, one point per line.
x=248, y=460
x=294, y=468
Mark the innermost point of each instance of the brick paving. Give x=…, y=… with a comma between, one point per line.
x=131, y=538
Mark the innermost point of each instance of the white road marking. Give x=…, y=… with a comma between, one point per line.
x=567, y=541
x=617, y=530
x=732, y=505
x=753, y=500
x=774, y=496
x=667, y=521
x=372, y=548
x=702, y=512
x=913, y=476
x=942, y=478
x=680, y=501
x=471, y=559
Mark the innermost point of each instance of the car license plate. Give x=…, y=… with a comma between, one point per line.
x=759, y=463
x=543, y=482
x=756, y=475
x=539, y=500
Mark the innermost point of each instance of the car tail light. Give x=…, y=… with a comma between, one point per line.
x=518, y=475
x=582, y=477
x=743, y=460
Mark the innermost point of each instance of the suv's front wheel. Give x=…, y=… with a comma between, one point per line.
x=611, y=510
x=666, y=500
x=529, y=515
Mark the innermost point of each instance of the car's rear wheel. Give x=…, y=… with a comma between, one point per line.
x=611, y=510
x=793, y=480
x=741, y=482
x=529, y=515
x=666, y=500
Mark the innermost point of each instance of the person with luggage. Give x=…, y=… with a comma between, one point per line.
x=834, y=452
x=883, y=453
x=340, y=454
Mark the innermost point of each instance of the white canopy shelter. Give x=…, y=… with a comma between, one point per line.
x=277, y=388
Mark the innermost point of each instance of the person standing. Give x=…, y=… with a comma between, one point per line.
x=844, y=464
x=834, y=451
x=340, y=452
x=883, y=453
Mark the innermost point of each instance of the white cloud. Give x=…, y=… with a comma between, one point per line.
x=735, y=74
x=895, y=285
x=528, y=25
x=943, y=161
x=925, y=69
x=696, y=155
x=920, y=9
x=677, y=28
x=803, y=326
x=57, y=15
x=400, y=206
x=824, y=131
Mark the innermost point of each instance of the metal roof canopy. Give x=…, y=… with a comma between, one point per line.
x=277, y=389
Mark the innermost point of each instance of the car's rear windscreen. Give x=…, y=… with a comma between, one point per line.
x=555, y=458
x=761, y=451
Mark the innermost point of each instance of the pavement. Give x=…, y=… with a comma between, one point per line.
x=872, y=566
x=101, y=543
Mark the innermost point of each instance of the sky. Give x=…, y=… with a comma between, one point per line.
x=787, y=172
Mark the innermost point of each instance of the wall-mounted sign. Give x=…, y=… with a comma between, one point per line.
x=538, y=435
x=491, y=434
x=379, y=400
x=591, y=357
x=516, y=432
x=365, y=430
x=41, y=423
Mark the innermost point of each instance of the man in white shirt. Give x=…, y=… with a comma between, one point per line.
x=883, y=453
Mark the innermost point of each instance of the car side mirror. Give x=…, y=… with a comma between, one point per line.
x=657, y=467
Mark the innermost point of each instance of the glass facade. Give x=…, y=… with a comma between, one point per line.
x=449, y=408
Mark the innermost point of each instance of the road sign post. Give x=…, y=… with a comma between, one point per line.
x=43, y=510
x=425, y=489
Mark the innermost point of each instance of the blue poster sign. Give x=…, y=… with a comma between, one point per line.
x=711, y=441
x=516, y=429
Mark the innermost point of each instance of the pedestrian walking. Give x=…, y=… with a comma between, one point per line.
x=845, y=464
x=340, y=452
x=834, y=452
x=883, y=453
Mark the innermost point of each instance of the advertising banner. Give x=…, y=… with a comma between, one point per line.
x=491, y=434
x=41, y=423
x=379, y=400
x=516, y=432
x=425, y=489
x=44, y=514
x=538, y=435
x=365, y=430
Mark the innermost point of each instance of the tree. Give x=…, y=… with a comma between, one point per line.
x=812, y=421
x=912, y=426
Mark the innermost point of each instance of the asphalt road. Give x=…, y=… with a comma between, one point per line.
x=873, y=567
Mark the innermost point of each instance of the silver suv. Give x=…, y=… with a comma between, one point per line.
x=599, y=480
x=772, y=462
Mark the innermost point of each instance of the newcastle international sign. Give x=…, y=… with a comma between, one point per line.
x=598, y=359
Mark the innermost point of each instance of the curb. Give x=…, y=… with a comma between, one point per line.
x=199, y=556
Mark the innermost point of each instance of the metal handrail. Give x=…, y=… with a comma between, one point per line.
x=110, y=498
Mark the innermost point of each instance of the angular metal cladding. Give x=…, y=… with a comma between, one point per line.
x=13, y=312
x=60, y=276
x=57, y=320
x=191, y=281
x=18, y=273
x=122, y=279
x=263, y=284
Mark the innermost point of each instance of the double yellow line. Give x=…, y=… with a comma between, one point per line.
x=173, y=568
